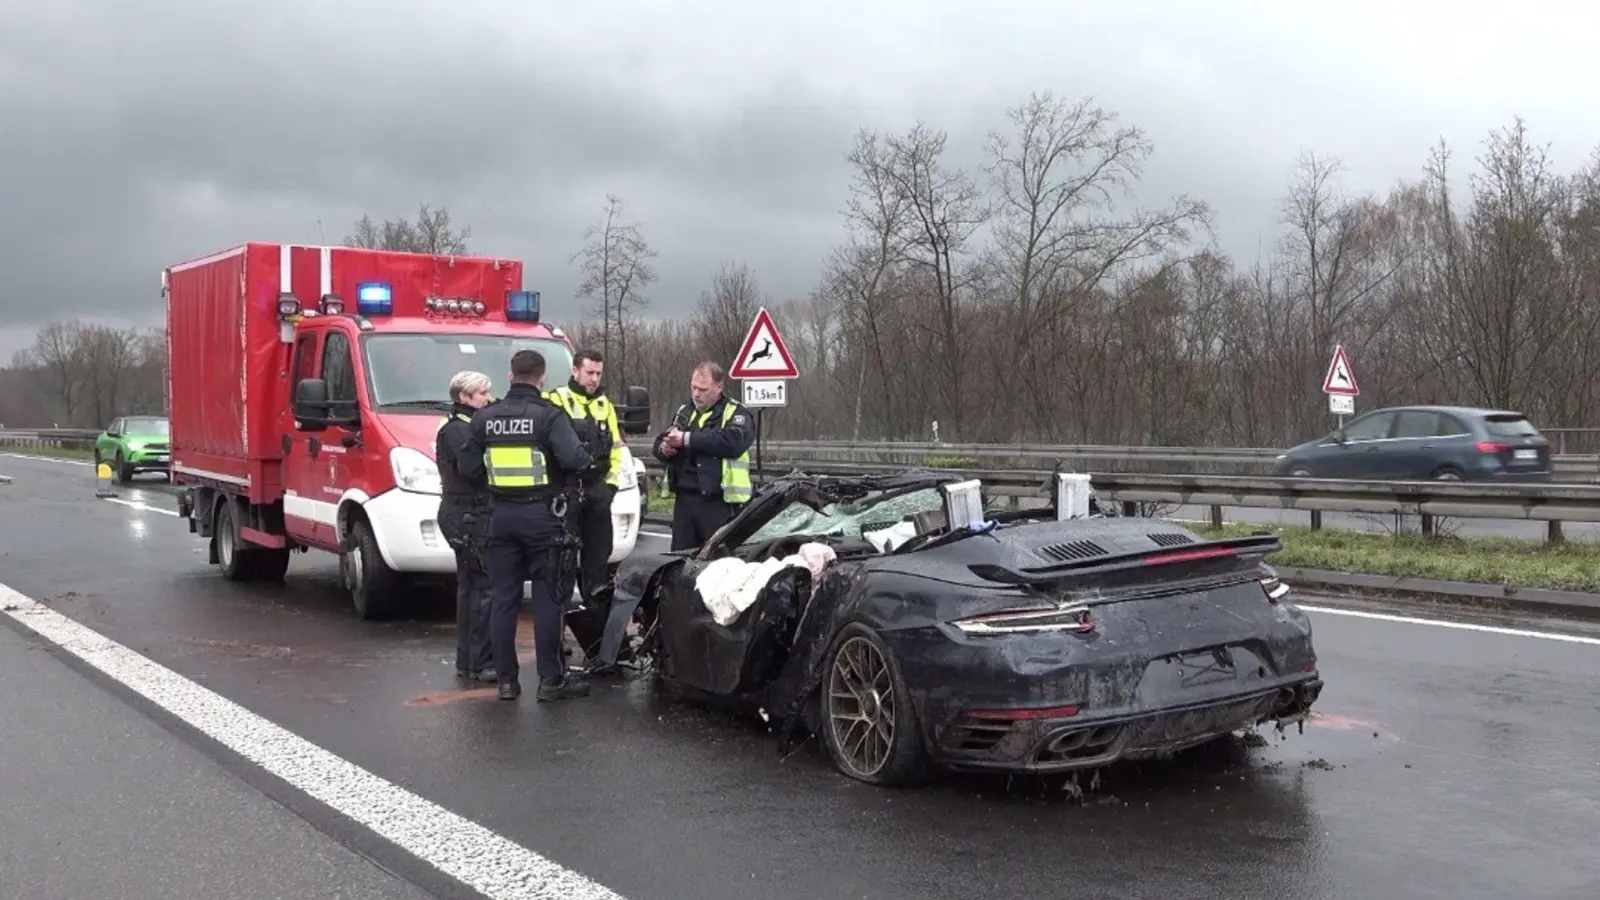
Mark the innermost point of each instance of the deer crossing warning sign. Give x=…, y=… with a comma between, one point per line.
x=763, y=354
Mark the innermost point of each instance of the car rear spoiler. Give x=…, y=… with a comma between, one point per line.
x=1250, y=545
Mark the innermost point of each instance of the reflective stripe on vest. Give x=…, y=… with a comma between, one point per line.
x=735, y=482
x=599, y=409
x=515, y=467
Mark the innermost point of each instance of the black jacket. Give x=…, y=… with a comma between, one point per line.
x=461, y=492
x=697, y=467
x=550, y=430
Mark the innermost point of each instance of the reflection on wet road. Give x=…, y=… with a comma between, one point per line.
x=1445, y=762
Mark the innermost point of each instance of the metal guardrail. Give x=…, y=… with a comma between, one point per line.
x=1007, y=473
x=56, y=438
x=1006, y=456
x=1552, y=503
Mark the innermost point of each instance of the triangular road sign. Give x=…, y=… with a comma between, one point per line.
x=1341, y=379
x=763, y=355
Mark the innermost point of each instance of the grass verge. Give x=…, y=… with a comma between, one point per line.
x=1571, y=566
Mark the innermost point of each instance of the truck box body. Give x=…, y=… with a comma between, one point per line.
x=228, y=378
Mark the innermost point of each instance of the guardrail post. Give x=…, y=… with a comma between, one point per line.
x=1553, y=532
x=1316, y=520
x=1216, y=516
x=1426, y=524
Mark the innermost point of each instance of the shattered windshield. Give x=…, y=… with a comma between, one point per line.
x=879, y=509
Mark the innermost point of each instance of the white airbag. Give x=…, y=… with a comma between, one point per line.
x=730, y=586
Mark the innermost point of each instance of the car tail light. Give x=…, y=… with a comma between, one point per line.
x=1070, y=620
x=1491, y=446
x=1158, y=559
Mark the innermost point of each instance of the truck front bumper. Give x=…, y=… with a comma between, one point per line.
x=406, y=526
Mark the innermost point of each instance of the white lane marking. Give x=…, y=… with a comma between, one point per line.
x=144, y=506
x=50, y=459
x=1464, y=626
x=655, y=534
x=489, y=863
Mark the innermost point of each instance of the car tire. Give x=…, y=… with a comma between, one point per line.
x=1300, y=472
x=903, y=758
x=124, y=470
x=372, y=584
x=1448, y=473
x=237, y=561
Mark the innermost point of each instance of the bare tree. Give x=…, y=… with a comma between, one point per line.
x=430, y=233
x=725, y=310
x=1059, y=234
x=617, y=270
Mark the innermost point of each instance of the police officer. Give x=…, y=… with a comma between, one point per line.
x=594, y=418
x=529, y=453
x=707, y=455
x=464, y=520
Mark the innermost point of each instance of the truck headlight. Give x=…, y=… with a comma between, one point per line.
x=414, y=471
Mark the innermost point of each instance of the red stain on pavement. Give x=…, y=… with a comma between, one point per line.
x=525, y=656
x=438, y=698
x=1346, y=723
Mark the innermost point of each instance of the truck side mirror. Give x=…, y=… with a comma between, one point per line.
x=634, y=412
x=310, y=404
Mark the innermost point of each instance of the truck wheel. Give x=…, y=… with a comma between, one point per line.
x=271, y=563
x=372, y=583
x=237, y=562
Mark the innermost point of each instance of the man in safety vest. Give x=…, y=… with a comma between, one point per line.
x=464, y=509
x=707, y=455
x=530, y=456
x=595, y=420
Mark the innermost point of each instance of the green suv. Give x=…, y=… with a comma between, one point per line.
x=134, y=444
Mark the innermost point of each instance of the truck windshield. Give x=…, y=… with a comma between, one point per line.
x=414, y=370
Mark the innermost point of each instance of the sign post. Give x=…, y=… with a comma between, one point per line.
x=765, y=367
x=1340, y=385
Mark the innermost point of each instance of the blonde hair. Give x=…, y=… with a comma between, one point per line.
x=467, y=383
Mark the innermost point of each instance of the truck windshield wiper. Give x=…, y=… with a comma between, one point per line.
x=431, y=404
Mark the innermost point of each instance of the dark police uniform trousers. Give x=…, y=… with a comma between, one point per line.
x=529, y=450
x=525, y=543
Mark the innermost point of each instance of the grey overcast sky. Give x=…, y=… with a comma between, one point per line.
x=137, y=134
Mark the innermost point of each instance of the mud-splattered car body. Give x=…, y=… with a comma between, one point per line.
x=1033, y=645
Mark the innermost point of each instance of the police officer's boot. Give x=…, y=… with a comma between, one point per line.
x=562, y=688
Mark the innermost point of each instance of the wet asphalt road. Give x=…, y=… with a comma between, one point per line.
x=1445, y=763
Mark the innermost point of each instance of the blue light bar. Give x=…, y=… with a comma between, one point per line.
x=373, y=298
x=522, y=306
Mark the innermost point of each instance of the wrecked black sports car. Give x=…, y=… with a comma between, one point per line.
x=910, y=629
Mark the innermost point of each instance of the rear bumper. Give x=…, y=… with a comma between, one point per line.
x=1543, y=477
x=1085, y=741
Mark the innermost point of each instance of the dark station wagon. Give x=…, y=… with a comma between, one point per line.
x=1420, y=443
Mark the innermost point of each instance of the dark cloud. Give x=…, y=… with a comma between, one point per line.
x=133, y=135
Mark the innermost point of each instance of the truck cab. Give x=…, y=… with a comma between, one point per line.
x=360, y=397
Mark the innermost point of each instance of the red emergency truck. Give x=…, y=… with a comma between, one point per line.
x=305, y=388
